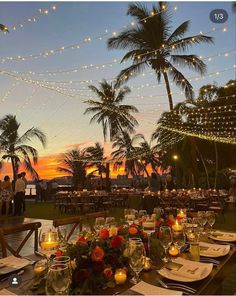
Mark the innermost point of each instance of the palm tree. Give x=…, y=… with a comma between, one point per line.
x=234, y=6
x=152, y=44
x=149, y=155
x=15, y=148
x=74, y=163
x=96, y=157
x=126, y=153
x=114, y=116
x=109, y=111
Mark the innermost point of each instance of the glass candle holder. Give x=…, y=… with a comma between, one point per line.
x=120, y=276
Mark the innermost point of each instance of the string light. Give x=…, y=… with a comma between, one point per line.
x=108, y=65
x=50, y=52
x=8, y=93
x=30, y=19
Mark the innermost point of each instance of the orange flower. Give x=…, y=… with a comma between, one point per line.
x=145, y=235
x=104, y=233
x=108, y=272
x=133, y=230
x=97, y=254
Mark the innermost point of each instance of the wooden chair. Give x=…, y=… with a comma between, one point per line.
x=74, y=221
x=9, y=230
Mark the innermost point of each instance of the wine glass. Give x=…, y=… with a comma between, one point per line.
x=110, y=221
x=149, y=227
x=136, y=253
x=178, y=239
x=63, y=260
x=99, y=223
x=202, y=219
x=166, y=239
x=142, y=213
x=211, y=219
x=58, y=280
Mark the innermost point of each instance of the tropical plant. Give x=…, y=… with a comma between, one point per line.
x=234, y=6
x=114, y=116
x=151, y=43
x=95, y=155
x=126, y=153
x=109, y=111
x=74, y=163
x=15, y=147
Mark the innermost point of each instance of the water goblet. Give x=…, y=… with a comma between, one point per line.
x=166, y=240
x=136, y=253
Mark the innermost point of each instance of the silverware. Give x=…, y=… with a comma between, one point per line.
x=176, y=286
x=210, y=260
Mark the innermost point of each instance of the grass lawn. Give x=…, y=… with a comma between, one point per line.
x=46, y=211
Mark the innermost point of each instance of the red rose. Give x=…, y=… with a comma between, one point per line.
x=59, y=253
x=117, y=241
x=108, y=272
x=104, y=233
x=82, y=240
x=158, y=223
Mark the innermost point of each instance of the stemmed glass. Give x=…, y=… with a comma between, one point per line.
x=142, y=213
x=166, y=239
x=149, y=227
x=136, y=253
x=211, y=219
x=129, y=216
x=99, y=223
x=58, y=280
x=110, y=221
x=63, y=260
x=178, y=239
x=202, y=219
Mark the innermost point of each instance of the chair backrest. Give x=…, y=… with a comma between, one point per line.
x=8, y=230
x=74, y=221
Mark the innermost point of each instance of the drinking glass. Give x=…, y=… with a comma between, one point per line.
x=110, y=221
x=99, y=223
x=63, y=260
x=142, y=213
x=149, y=227
x=136, y=253
x=178, y=239
x=202, y=219
x=211, y=219
x=130, y=215
x=58, y=280
x=166, y=239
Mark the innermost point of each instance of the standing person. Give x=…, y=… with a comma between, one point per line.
x=7, y=193
x=19, y=195
x=25, y=180
x=43, y=185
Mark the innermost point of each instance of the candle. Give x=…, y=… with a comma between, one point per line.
x=39, y=269
x=181, y=214
x=146, y=263
x=120, y=276
x=173, y=251
x=49, y=245
x=177, y=226
x=191, y=236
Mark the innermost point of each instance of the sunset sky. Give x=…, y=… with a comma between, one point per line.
x=61, y=117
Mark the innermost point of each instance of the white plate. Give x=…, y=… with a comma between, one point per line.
x=223, y=250
x=171, y=276
x=12, y=263
x=224, y=236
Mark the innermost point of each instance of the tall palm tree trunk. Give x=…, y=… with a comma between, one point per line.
x=217, y=164
x=205, y=167
x=194, y=161
x=168, y=90
x=14, y=169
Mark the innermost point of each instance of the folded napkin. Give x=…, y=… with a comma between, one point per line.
x=6, y=292
x=212, y=249
x=193, y=271
x=144, y=288
x=227, y=236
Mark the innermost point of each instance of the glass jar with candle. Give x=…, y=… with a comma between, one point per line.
x=48, y=240
x=41, y=267
x=120, y=276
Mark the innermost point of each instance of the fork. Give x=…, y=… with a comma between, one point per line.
x=176, y=286
x=210, y=260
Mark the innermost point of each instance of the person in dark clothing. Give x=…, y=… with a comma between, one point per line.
x=19, y=195
x=25, y=180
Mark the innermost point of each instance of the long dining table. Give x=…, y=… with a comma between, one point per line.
x=211, y=285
